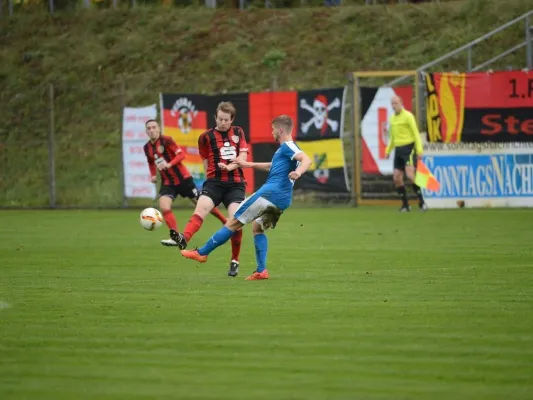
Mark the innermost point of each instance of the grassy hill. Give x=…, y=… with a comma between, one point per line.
x=100, y=60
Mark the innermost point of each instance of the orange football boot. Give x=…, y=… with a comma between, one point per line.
x=257, y=276
x=194, y=255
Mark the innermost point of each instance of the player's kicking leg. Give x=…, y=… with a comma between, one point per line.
x=250, y=209
x=204, y=206
x=218, y=239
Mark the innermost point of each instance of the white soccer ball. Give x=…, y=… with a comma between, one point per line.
x=151, y=219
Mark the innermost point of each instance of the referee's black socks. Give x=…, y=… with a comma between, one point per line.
x=418, y=192
x=401, y=191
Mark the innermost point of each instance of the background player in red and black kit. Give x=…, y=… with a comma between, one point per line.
x=225, y=181
x=164, y=155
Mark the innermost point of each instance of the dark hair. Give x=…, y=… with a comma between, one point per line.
x=150, y=120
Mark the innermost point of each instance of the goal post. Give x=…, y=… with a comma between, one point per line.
x=364, y=142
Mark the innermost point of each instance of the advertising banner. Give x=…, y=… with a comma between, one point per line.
x=480, y=107
x=136, y=172
x=501, y=176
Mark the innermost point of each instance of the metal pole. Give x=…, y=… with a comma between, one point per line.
x=417, y=99
x=122, y=177
x=356, y=174
x=51, y=6
x=51, y=147
x=115, y=4
x=422, y=101
x=529, y=50
x=10, y=8
x=274, y=86
x=469, y=60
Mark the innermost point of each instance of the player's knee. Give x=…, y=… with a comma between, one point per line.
x=165, y=205
x=398, y=179
x=233, y=224
x=232, y=208
x=410, y=175
x=203, y=207
x=257, y=229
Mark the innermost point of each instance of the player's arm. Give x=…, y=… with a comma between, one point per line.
x=390, y=146
x=304, y=162
x=151, y=166
x=416, y=135
x=261, y=166
x=243, y=146
x=179, y=155
x=204, y=150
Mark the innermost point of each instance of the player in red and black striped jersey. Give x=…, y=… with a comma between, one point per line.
x=165, y=155
x=225, y=180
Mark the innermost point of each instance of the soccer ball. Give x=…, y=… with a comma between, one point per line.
x=151, y=219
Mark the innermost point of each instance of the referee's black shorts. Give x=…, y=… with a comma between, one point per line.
x=404, y=156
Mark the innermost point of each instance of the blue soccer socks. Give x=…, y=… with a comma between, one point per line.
x=261, y=249
x=218, y=239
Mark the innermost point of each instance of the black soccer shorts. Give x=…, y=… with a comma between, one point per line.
x=224, y=192
x=405, y=156
x=186, y=189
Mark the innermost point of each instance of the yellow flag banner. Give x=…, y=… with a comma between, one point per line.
x=425, y=179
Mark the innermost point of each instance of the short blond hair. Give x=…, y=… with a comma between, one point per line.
x=284, y=122
x=227, y=107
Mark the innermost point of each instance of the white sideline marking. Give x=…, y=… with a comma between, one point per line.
x=3, y=305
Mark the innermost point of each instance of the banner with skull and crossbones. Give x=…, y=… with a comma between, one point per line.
x=319, y=113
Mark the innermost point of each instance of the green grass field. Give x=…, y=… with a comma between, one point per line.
x=361, y=304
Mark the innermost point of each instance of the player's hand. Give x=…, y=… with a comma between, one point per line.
x=163, y=165
x=294, y=175
x=242, y=163
x=222, y=166
x=153, y=179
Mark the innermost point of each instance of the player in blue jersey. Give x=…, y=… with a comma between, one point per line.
x=265, y=206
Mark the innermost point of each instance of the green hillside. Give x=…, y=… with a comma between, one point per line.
x=100, y=60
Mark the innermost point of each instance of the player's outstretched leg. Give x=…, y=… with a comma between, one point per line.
x=204, y=206
x=165, y=203
x=218, y=239
x=261, y=250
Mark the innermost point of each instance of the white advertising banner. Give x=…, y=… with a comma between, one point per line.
x=480, y=174
x=136, y=172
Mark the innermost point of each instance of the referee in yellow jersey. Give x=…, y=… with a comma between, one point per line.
x=405, y=138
